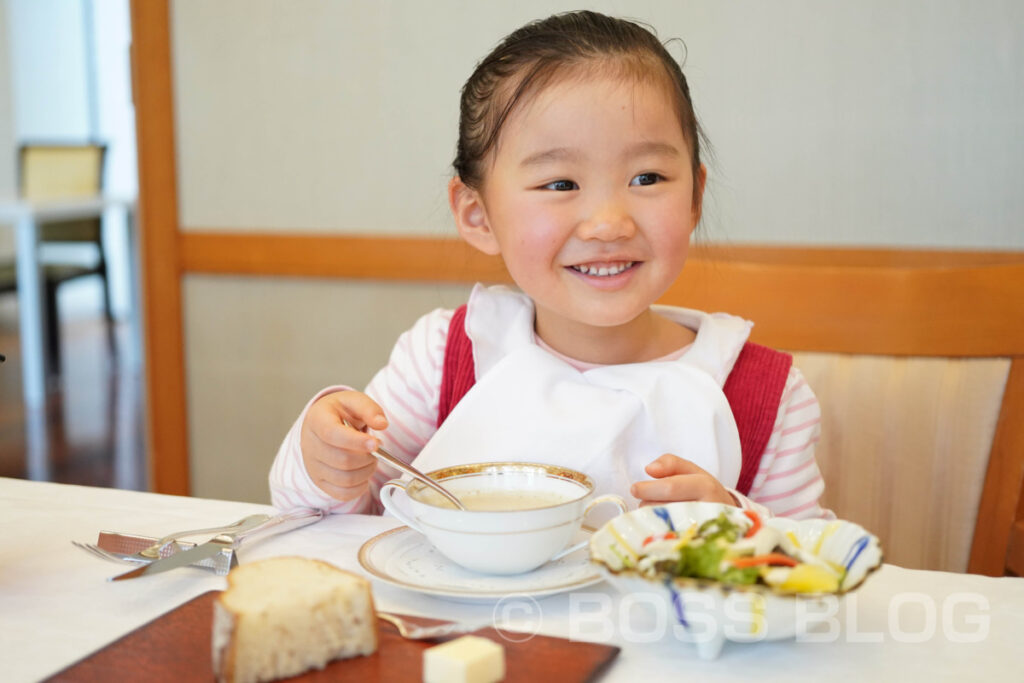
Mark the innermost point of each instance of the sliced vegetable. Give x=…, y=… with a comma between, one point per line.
x=735, y=575
x=771, y=559
x=660, y=537
x=719, y=527
x=738, y=548
x=756, y=523
x=810, y=578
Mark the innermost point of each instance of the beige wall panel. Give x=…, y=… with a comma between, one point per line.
x=339, y=117
x=904, y=448
x=258, y=348
x=868, y=123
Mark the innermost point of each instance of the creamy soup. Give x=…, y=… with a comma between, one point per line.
x=497, y=500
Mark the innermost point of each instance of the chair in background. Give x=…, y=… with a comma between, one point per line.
x=54, y=172
x=917, y=359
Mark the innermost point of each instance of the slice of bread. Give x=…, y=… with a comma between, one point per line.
x=285, y=615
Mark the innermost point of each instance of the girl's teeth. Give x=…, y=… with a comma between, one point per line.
x=603, y=271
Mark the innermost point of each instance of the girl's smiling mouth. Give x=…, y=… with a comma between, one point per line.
x=603, y=269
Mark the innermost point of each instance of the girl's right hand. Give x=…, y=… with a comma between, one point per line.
x=337, y=456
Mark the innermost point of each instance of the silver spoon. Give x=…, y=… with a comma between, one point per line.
x=384, y=456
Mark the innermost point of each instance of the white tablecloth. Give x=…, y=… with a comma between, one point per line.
x=56, y=607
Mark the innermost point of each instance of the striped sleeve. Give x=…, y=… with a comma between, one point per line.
x=408, y=389
x=788, y=482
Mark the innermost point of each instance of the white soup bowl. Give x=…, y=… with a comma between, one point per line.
x=500, y=541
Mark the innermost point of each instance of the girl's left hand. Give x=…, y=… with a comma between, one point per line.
x=676, y=479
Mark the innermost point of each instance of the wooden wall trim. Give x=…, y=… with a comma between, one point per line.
x=157, y=227
x=417, y=258
x=338, y=256
x=965, y=303
x=860, y=257
x=1015, y=549
x=970, y=311
x=1002, y=491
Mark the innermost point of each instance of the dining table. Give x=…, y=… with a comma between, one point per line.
x=57, y=606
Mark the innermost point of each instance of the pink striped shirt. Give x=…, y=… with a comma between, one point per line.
x=788, y=482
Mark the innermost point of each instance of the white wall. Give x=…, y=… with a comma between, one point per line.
x=8, y=186
x=111, y=24
x=50, y=91
x=8, y=183
x=115, y=124
x=878, y=122
x=834, y=122
x=55, y=98
x=67, y=86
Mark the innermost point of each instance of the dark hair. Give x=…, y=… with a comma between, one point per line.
x=533, y=55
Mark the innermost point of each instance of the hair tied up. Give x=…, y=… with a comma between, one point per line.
x=536, y=54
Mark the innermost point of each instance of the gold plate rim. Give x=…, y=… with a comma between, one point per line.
x=369, y=566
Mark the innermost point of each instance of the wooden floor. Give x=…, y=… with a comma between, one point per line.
x=94, y=417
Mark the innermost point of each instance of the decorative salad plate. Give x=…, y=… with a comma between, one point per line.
x=642, y=551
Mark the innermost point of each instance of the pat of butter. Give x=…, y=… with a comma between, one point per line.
x=469, y=659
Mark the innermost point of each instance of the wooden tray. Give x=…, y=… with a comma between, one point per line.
x=176, y=647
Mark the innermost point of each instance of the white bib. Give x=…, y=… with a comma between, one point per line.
x=608, y=422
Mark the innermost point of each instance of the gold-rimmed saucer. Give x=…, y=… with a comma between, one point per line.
x=405, y=558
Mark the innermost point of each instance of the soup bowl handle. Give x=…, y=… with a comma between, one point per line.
x=386, y=491
x=607, y=498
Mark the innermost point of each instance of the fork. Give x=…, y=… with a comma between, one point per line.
x=136, y=559
x=244, y=524
x=160, y=548
x=416, y=632
x=101, y=553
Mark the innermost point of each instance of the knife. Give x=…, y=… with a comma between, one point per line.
x=226, y=543
x=130, y=549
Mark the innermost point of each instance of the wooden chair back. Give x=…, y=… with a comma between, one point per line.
x=918, y=360
x=56, y=172
x=60, y=171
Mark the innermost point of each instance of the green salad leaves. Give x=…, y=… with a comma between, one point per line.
x=703, y=556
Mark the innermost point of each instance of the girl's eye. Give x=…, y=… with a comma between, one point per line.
x=562, y=186
x=647, y=179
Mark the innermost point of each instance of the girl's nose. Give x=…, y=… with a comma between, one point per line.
x=608, y=224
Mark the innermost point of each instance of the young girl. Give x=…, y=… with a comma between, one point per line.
x=578, y=162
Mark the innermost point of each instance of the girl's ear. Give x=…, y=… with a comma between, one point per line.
x=471, y=217
x=701, y=179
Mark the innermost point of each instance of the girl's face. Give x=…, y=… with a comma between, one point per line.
x=589, y=201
